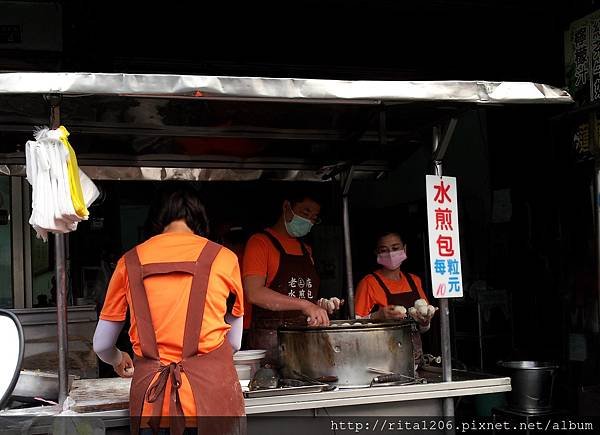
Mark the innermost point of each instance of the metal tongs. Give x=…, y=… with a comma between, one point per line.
x=323, y=380
x=388, y=377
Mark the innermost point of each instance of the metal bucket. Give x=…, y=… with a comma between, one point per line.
x=532, y=383
x=347, y=350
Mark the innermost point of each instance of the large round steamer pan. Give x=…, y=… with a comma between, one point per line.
x=347, y=349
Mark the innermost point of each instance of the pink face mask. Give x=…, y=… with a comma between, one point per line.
x=391, y=260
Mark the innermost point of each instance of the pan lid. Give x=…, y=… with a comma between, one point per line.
x=353, y=325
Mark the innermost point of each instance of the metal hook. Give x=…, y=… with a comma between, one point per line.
x=54, y=101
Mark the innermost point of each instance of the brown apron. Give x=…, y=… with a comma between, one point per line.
x=406, y=299
x=211, y=375
x=296, y=277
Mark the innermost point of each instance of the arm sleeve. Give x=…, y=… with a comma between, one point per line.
x=235, y=333
x=237, y=290
x=105, y=338
x=363, y=303
x=115, y=303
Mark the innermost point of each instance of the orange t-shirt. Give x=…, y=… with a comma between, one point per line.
x=168, y=297
x=369, y=293
x=261, y=258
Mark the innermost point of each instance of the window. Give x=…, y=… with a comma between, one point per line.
x=6, y=290
x=42, y=271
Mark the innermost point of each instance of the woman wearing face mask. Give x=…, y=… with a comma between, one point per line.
x=380, y=293
x=279, y=275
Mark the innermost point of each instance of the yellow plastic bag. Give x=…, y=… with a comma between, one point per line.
x=73, y=174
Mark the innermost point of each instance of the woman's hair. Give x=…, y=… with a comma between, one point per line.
x=387, y=232
x=177, y=202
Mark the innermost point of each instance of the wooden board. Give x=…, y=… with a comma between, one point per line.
x=90, y=395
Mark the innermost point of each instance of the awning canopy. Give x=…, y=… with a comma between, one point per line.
x=280, y=89
x=157, y=126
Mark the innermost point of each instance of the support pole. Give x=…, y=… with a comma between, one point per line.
x=443, y=302
x=347, y=245
x=595, y=141
x=596, y=204
x=61, y=317
x=61, y=283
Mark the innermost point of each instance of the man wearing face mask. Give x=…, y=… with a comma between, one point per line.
x=279, y=275
x=379, y=294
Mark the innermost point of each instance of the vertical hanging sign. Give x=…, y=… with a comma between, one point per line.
x=582, y=58
x=444, y=241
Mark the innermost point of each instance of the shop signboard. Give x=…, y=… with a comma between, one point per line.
x=444, y=239
x=582, y=58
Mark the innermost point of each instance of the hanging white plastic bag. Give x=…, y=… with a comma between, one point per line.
x=90, y=191
x=48, y=173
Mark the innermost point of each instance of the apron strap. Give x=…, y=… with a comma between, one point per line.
x=384, y=287
x=388, y=294
x=139, y=300
x=411, y=283
x=195, y=311
x=277, y=244
x=156, y=396
x=166, y=268
x=305, y=251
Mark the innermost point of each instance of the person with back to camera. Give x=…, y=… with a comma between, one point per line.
x=176, y=286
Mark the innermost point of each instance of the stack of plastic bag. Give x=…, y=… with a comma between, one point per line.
x=61, y=192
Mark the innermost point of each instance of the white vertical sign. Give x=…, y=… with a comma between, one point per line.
x=444, y=240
